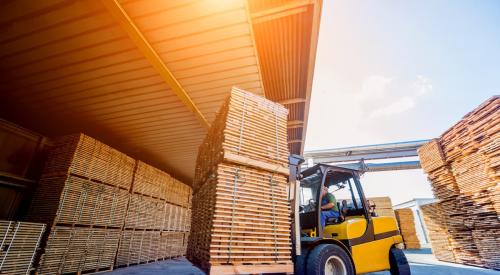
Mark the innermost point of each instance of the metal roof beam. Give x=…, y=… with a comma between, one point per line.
x=378, y=167
x=143, y=45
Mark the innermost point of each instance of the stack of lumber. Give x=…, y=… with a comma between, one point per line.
x=435, y=223
x=158, y=218
x=463, y=166
x=83, y=196
x=241, y=215
x=19, y=243
x=406, y=221
x=92, y=196
x=383, y=206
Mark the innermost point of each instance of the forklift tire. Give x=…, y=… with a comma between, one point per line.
x=329, y=259
x=300, y=263
x=399, y=263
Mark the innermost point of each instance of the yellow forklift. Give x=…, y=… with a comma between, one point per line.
x=356, y=241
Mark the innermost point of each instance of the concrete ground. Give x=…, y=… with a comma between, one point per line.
x=422, y=262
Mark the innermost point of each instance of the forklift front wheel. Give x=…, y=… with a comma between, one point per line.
x=329, y=259
x=398, y=261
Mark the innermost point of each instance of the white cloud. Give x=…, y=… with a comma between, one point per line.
x=385, y=97
x=399, y=106
x=375, y=86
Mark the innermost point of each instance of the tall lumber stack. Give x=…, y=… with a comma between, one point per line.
x=241, y=215
x=406, y=221
x=92, y=196
x=158, y=218
x=19, y=243
x=383, y=206
x=83, y=197
x=463, y=166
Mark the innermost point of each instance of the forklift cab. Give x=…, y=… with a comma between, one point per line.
x=344, y=185
x=354, y=243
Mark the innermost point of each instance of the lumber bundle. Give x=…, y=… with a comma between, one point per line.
x=463, y=166
x=383, y=206
x=406, y=222
x=249, y=130
x=77, y=249
x=241, y=214
x=84, y=156
x=19, y=243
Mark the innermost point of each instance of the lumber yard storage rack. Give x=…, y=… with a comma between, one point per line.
x=144, y=77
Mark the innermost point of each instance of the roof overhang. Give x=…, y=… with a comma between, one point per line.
x=147, y=76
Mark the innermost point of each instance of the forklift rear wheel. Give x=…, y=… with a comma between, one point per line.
x=329, y=259
x=399, y=263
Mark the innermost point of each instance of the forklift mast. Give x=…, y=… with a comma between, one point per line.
x=294, y=165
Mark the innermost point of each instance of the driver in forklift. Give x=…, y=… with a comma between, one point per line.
x=329, y=208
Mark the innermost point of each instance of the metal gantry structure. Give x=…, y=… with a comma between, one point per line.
x=355, y=156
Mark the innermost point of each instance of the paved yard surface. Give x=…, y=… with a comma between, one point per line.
x=422, y=263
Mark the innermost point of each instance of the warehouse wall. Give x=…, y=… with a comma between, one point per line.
x=21, y=159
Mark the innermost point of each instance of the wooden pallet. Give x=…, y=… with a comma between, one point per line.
x=19, y=244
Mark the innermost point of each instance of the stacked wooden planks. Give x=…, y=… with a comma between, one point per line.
x=19, y=243
x=91, y=196
x=406, y=221
x=435, y=222
x=383, y=206
x=241, y=214
x=158, y=218
x=463, y=166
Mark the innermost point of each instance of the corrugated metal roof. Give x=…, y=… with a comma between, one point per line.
x=69, y=66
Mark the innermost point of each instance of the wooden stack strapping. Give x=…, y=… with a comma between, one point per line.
x=158, y=218
x=383, y=206
x=435, y=222
x=467, y=183
x=241, y=214
x=79, y=249
x=19, y=243
x=406, y=221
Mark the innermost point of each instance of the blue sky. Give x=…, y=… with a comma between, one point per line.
x=391, y=71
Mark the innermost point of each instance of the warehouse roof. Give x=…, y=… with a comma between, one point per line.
x=147, y=76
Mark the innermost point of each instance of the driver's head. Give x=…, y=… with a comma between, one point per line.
x=324, y=190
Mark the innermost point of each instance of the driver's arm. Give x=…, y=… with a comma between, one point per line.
x=330, y=204
x=327, y=206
